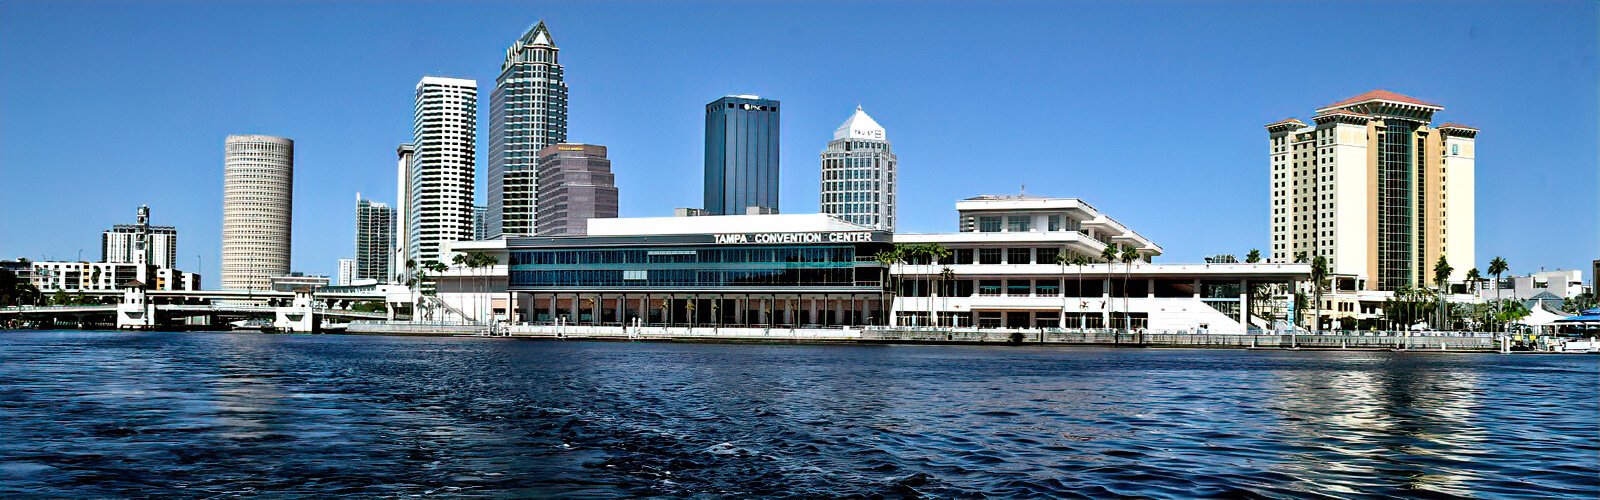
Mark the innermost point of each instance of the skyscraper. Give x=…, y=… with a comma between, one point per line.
x=1375, y=189
x=347, y=272
x=442, y=168
x=575, y=185
x=527, y=112
x=402, y=216
x=374, y=225
x=123, y=243
x=858, y=174
x=257, y=199
x=741, y=155
x=480, y=222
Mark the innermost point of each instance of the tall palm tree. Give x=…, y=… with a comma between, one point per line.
x=1254, y=257
x=945, y=276
x=888, y=257
x=1497, y=267
x=1441, y=274
x=1472, y=280
x=1109, y=255
x=929, y=255
x=1129, y=255
x=1080, y=260
x=1319, y=272
x=1063, y=257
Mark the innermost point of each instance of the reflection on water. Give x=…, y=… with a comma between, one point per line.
x=116, y=414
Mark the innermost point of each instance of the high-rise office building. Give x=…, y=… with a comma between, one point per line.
x=480, y=222
x=741, y=156
x=257, y=200
x=527, y=112
x=347, y=271
x=442, y=168
x=140, y=243
x=1374, y=188
x=374, y=227
x=402, y=213
x=575, y=185
x=858, y=174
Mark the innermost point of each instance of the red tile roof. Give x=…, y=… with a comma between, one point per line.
x=1286, y=121
x=1383, y=95
x=1456, y=125
x=1344, y=112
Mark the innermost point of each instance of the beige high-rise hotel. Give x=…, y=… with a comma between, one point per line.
x=1376, y=189
x=257, y=196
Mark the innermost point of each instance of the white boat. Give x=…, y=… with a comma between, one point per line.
x=1590, y=345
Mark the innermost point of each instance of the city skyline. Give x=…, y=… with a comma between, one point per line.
x=1541, y=190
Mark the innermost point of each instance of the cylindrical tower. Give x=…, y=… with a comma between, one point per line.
x=257, y=197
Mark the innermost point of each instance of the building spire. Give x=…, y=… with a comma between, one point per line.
x=538, y=35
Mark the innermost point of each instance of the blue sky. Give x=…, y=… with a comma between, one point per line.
x=1152, y=112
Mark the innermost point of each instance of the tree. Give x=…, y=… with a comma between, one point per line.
x=1441, y=275
x=1300, y=257
x=1108, y=254
x=1254, y=257
x=937, y=254
x=945, y=275
x=887, y=258
x=1080, y=260
x=1319, y=273
x=1497, y=267
x=1064, y=257
x=1129, y=255
x=1472, y=280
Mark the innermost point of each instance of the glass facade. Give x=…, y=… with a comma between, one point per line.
x=741, y=155
x=1396, y=180
x=528, y=112
x=692, y=267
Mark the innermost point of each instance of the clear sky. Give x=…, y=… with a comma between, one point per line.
x=1152, y=112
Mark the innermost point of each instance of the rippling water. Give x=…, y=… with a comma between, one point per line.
x=118, y=414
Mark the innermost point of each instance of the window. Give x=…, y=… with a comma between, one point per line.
x=1017, y=255
x=1018, y=288
x=989, y=288
x=1046, y=255
x=988, y=224
x=988, y=256
x=963, y=255
x=1054, y=223
x=1018, y=223
x=1048, y=288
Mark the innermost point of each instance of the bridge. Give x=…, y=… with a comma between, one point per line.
x=139, y=309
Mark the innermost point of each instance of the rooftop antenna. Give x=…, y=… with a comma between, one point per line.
x=1024, y=190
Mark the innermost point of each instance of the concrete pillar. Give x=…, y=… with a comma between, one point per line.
x=1244, y=305
x=552, y=312
x=813, y=311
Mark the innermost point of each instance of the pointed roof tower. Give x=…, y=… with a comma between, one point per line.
x=860, y=126
x=537, y=35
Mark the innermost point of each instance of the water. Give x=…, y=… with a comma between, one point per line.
x=166, y=414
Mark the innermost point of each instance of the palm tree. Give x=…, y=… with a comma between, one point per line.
x=1109, y=255
x=935, y=254
x=1129, y=255
x=1441, y=274
x=1300, y=257
x=1080, y=260
x=888, y=257
x=1063, y=257
x=1497, y=267
x=1472, y=278
x=1319, y=272
x=1254, y=257
x=945, y=276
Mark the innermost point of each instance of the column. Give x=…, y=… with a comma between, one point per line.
x=1244, y=305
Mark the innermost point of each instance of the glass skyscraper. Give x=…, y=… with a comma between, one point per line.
x=527, y=112
x=741, y=155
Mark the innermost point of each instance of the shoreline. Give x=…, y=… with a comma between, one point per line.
x=1214, y=341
